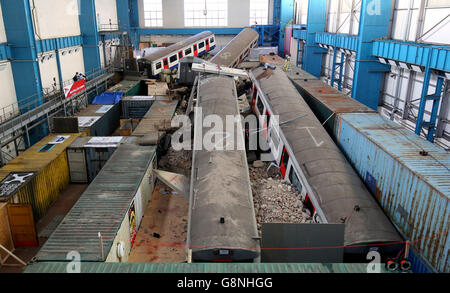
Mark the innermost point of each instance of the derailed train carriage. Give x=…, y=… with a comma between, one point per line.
x=222, y=221
x=169, y=58
x=236, y=50
x=309, y=159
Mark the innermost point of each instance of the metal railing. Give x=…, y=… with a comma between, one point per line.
x=43, y=108
x=29, y=103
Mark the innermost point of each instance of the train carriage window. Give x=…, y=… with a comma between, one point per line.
x=260, y=106
x=295, y=181
x=188, y=51
x=212, y=40
x=201, y=45
x=158, y=65
x=166, y=62
x=173, y=58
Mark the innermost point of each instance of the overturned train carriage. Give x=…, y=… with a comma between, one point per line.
x=222, y=224
x=310, y=160
x=236, y=50
x=169, y=58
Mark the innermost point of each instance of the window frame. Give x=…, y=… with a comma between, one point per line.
x=159, y=19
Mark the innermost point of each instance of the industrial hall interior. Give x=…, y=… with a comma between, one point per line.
x=225, y=136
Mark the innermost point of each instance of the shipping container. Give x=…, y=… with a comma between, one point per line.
x=409, y=176
x=129, y=88
x=109, y=207
x=99, y=120
x=157, y=118
x=38, y=175
x=135, y=107
x=5, y=232
x=87, y=156
x=325, y=101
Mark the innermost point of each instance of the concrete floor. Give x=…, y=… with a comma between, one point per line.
x=166, y=215
x=62, y=206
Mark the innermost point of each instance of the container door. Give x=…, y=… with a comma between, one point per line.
x=22, y=226
x=166, y=63
x=207, y=44
x=195, y=50
x=139, y=207
x=284, y=162
x=77, y=166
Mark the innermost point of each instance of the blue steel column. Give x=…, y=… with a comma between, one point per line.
x=20, y=34
x=135, y=35
x=286, y=15
x=88, y=27
x=317, y=15
x=368, y=74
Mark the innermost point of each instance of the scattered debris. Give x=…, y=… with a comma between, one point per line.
x=177, y=162
x=156, y=235
x=275, y=200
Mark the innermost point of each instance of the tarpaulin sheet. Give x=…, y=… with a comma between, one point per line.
x=109, y=98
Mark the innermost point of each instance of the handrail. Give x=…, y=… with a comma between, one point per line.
x=27, y=104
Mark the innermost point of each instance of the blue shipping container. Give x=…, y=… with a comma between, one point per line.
x=409, y=176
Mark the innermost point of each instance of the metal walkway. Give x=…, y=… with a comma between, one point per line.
x=16, y=124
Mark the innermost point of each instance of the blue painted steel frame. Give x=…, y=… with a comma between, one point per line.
x=344, y=41
x=368, y=73
x=431, y=57
x=91, y=38
x=286, y=15
x=58, y=43
x=269, y=35
x=5, y=51
x=436, y=57
x=20, y=34
x=316, y=24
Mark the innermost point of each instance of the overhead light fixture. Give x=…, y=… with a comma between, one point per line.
x=393, y=62
x=63, y=53
x=382, y=60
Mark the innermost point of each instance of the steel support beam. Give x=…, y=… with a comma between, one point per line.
x=435, y=98
x=20, y=34
x=91, y=38
x=286, y=15
x=368, y=75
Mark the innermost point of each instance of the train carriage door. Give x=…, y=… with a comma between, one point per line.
x=207, y=45
x=195, y=50
x=255, y=92
x=284, y=162
x=166, y=63
x=267, y=124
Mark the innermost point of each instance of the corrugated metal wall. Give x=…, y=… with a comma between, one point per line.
x=52, y=174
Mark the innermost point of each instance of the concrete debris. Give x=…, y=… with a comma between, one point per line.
x=275, y=200
x=177, y=162
x=258, y=164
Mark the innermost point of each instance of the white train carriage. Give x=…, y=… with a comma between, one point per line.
x=280, y=154
x=169, y=58
x=310, y=160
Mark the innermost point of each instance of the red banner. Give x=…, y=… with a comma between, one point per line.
x=74, y=88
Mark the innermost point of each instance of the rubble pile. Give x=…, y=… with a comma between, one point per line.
x=177, y=162
x=275, y=200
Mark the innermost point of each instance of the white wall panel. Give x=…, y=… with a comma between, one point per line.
x=48, y=67
x=71, y=63
x=106, y=13
x=2, y=27
x=55, y=19
x=8, y=91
